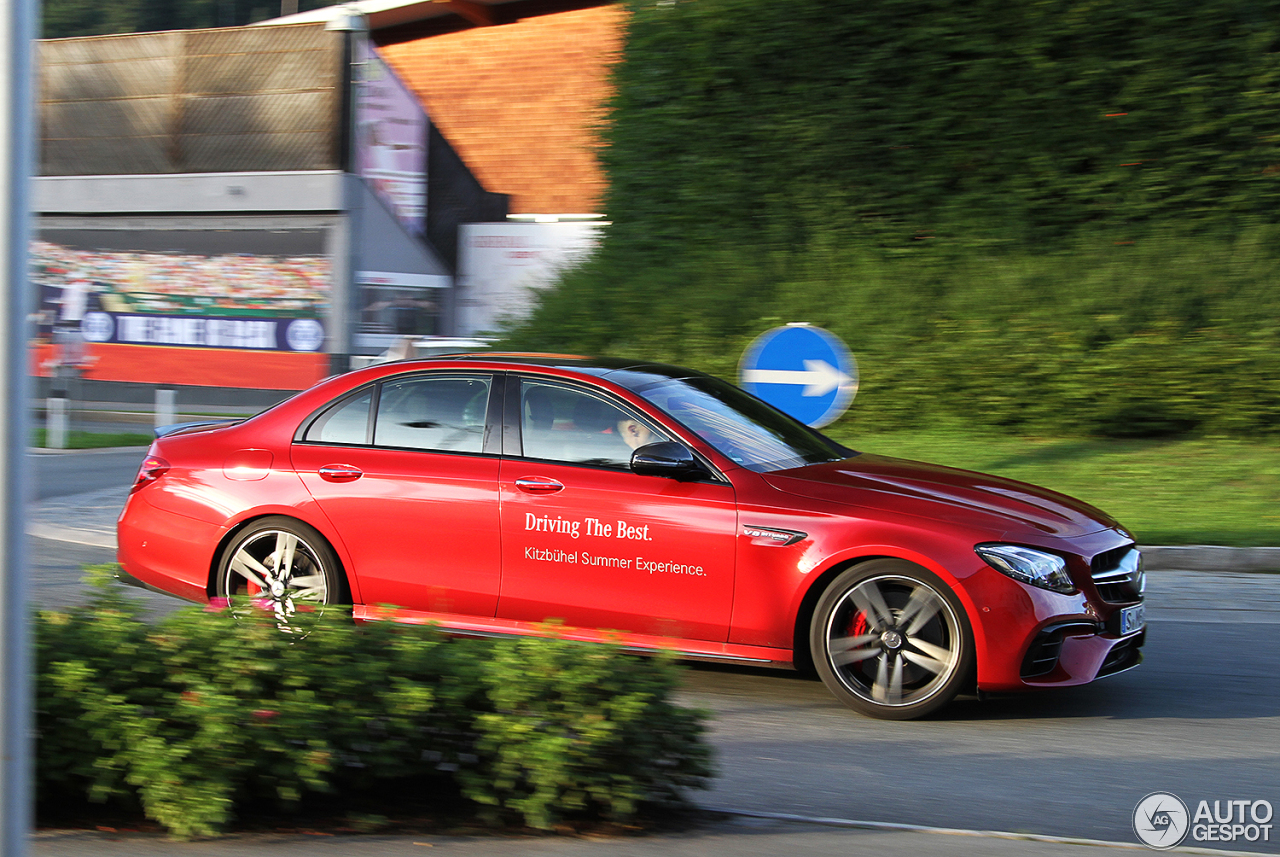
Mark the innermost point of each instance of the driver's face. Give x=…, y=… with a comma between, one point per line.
x=635, y=434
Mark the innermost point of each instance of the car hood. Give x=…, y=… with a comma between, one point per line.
x=1003, y=507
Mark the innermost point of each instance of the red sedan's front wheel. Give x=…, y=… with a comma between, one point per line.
x=890, y=640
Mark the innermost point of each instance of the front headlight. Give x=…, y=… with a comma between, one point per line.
x=1028, y=566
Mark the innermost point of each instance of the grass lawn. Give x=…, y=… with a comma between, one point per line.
x=1167, y=492
x=96, y=440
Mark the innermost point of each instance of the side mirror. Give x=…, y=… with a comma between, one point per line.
x=666, y=458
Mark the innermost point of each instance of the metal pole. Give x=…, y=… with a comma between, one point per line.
x=17, y=160
x=343, y=313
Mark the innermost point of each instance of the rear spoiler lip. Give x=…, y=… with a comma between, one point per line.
x=179, y=428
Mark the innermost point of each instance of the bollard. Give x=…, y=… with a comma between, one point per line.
x=55, y=416
x=165, y=407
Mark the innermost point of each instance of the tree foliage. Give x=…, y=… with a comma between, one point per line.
x=1057, y=215
x=780, y=122
x=67, y=18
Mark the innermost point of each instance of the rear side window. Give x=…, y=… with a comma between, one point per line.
x=445, y=413
x=347, y=422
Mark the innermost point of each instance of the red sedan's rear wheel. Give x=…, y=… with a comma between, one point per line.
x=281, y=565
x=891, y=640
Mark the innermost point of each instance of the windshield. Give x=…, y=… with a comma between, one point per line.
x=740, y=426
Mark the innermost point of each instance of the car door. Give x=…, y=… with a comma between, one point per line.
x=587, y=541
x=404, y=471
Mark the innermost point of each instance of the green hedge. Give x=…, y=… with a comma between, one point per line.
x=1166, y=335
x=201, y=715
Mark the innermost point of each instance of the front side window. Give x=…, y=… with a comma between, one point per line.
x=743, y=428
x=562, y=423
x=444, y=413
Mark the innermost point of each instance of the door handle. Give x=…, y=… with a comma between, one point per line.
x=538, y=485
x=340, y=472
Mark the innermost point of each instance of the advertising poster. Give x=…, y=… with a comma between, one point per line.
x=391, y=139
x=502, y=265
x=113, y=313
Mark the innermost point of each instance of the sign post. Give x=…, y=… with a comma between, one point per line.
x=17, y=158
x=801, y=370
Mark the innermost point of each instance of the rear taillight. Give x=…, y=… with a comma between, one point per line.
x=153, y=467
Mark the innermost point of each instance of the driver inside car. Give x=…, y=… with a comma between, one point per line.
x=634, y=433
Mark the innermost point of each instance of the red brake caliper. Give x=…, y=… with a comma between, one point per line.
x=858, y=626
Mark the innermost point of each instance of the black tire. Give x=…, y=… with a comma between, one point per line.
x=891, y=640
x=283, y=565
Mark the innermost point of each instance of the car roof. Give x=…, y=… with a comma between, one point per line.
x=625, y=372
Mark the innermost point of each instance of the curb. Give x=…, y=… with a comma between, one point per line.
x=850, y=823
x=1209, y=558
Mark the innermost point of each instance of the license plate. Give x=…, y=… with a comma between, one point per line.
x=1133, y=619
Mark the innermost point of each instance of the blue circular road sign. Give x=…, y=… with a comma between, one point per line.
x=801, y=370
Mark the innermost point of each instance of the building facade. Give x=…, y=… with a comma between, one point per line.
x=241, y=207
x=251, y=207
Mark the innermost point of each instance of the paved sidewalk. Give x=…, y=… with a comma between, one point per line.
x=741, y=836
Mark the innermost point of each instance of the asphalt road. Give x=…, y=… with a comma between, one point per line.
x=57, y=567
x=1200, y=718
x=65, y=473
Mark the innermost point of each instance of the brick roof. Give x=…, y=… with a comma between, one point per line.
x=520, y=102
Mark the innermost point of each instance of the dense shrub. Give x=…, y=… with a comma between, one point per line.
x=572, y=731
x=1161, y=336
x=202, y=714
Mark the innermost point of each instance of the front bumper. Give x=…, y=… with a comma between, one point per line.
x=1033, y=638
x=1072, y=652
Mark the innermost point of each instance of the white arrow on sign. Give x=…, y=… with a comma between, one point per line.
x=818, y=377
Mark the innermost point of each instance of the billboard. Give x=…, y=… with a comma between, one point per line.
x=99, y=291
x=502, y=265
x=391, y=139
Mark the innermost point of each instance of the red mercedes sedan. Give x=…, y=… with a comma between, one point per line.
x=643, y=503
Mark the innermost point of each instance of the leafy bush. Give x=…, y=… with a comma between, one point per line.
x=202, y=714
x=576, y=730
